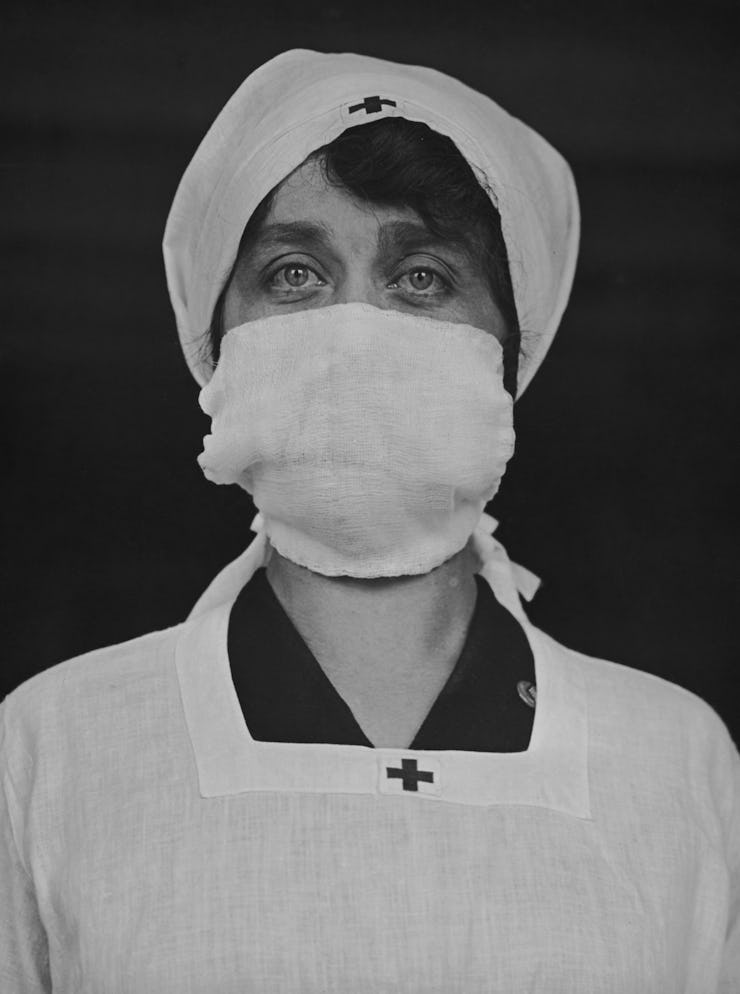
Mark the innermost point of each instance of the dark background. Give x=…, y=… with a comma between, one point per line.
x=621, y=492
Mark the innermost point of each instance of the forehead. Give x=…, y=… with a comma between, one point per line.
x=306, y=207
x=307, y=191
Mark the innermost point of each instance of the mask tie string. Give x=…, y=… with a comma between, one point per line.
x=509, y=581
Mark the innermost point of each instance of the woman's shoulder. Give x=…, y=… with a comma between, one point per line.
x=56, y=696
x=624, y=696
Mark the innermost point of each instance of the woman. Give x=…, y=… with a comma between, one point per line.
x=357, y=766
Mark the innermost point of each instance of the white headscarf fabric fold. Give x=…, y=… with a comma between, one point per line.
x=301, y=100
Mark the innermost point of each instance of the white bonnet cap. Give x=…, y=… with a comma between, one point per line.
x=301, y=100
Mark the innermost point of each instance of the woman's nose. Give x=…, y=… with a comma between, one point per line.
x=359, y=288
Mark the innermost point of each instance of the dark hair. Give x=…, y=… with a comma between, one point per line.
x=399, y=163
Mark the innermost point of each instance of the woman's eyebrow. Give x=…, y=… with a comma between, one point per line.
x=414, y=236
x=306, y=233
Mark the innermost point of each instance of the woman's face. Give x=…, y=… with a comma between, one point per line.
x=320, y=246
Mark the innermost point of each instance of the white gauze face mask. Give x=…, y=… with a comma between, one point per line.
x=369, y=439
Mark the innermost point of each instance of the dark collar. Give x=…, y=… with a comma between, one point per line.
x=552, y=773
x=285, y=695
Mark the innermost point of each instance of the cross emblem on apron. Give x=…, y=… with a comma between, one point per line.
x=409, y=774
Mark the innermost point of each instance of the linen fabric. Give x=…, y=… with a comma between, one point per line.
x=301, y=100
x=149, y=843
x=370, y=440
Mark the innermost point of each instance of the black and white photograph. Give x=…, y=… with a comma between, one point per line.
x=371, y=583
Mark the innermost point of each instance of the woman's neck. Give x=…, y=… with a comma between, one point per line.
x=385, y=629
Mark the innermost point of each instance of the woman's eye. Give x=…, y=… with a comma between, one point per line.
x=295, y=276
x=421, y=279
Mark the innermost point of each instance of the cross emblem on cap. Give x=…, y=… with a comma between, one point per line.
x=372, y=105
x=409, y=774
